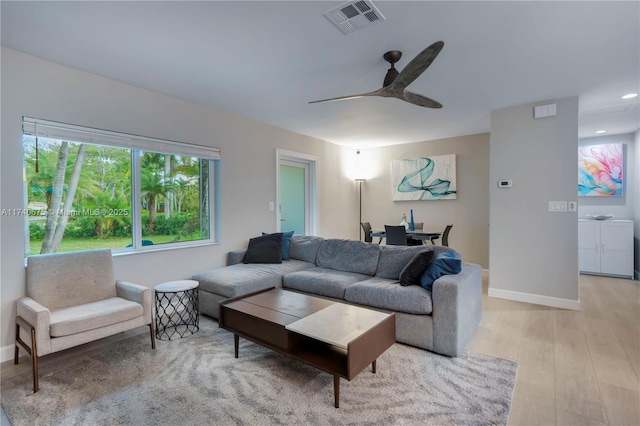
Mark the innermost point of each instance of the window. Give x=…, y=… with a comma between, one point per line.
x=86, y=189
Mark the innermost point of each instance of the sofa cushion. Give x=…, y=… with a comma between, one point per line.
x=286, y=243
x=265, y=249
x=449, y=263
x=411, y=273
x=388, y=294
x=394, y=258
x=305, y=247
x=322, y=281
x=349, y=256
x=234, y=280
x=76, y=319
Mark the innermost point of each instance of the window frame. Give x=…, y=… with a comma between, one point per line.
x=136, y=144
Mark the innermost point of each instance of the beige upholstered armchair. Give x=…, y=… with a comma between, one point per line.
x=73, y=298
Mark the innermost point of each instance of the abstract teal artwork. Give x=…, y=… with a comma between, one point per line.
x=600, y=170
x=424, y=178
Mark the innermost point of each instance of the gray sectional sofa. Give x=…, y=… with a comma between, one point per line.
x=363, y=274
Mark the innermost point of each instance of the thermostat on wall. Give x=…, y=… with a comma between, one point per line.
x=505, y=183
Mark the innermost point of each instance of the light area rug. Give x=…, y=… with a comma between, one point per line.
x=197, y=381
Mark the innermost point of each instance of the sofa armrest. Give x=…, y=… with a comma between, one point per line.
x=40, y=318
x=139, y=294
x=235, y=256
x=457, y=309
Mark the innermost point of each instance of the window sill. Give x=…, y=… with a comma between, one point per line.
x=160, y=247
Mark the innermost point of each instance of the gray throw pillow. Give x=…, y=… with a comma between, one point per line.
x=265, y=249
x=411, y=273
x=286, y=243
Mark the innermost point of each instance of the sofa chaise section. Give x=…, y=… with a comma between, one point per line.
x=238, y=278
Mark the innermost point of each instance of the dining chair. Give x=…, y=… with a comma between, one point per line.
x=445, y=236
x=366, y=227
x=396, y=235
x=418, y=225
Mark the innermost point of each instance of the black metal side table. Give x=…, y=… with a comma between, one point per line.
x=176, y=309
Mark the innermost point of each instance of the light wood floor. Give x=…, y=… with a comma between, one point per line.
x=574, y=368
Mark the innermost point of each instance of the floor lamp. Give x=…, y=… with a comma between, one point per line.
x=360, y=195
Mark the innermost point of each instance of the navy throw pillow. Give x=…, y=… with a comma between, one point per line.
x=286, y=243
x=411, y=273
x=448, y=263
x=265, y=249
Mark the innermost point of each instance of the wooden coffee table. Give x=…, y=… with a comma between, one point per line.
x=334, y=337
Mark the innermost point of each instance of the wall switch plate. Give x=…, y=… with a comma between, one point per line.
x=573, y=206
x=557, y=206
x=271, y=206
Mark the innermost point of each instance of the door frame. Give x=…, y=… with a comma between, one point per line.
x=310, y=162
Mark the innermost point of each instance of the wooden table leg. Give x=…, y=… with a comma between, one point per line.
x=373, y=366
x=236, y=343
x=336, y=391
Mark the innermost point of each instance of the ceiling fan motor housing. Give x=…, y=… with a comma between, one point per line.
x=392, y=57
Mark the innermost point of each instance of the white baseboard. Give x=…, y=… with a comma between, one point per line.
x=6, y=353
x=536, y=299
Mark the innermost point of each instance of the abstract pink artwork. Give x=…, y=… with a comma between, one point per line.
x=600, y=170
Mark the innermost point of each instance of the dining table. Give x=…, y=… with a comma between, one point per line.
x=418, y=234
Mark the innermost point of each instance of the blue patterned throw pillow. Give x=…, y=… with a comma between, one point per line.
x=448, y=263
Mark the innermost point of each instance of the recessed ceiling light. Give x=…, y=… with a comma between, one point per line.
x=630, y=95
x=601, y=131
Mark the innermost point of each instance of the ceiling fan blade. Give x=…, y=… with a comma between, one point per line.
x=420, y=100
x=417, y=65
x=344, y=98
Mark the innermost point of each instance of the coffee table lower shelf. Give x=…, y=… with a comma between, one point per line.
x=263, y=317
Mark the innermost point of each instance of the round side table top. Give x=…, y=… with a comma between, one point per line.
x=175, y=286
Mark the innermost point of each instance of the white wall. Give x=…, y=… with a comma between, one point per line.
x=621, y=207
x=469, y=213
x=534, y=253
x=42, y=89
x=634, y=162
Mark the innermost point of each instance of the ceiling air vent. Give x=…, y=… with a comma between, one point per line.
x=354, y=15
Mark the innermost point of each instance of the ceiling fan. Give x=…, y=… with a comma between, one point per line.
x=395, y=82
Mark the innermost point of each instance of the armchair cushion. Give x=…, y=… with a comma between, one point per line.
x=90, y=316
x=68, y=279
